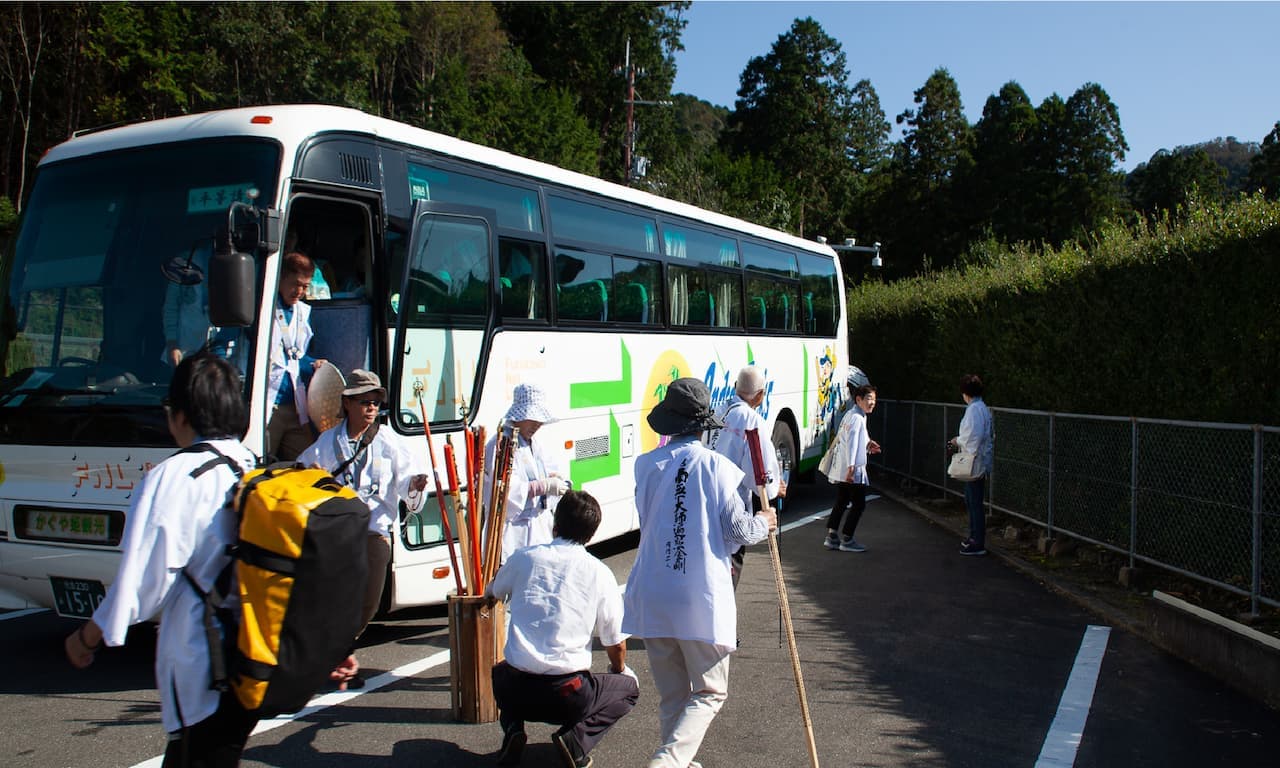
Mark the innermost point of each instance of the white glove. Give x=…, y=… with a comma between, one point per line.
x=555, y=486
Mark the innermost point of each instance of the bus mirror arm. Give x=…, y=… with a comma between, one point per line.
x=232, y=268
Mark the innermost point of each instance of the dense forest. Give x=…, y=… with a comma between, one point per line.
x=806, y=147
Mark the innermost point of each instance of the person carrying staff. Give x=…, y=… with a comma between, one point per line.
x=740, y=416
x=559, y=595
x=378, y=466
x=537, y=481
x=679, y=596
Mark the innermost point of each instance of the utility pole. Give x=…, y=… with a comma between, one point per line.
x=634, y=166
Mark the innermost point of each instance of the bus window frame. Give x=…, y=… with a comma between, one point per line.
x=422, y=209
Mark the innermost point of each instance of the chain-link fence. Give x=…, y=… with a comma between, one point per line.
x=1196, y=498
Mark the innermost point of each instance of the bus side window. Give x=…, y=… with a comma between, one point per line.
x=523, y=279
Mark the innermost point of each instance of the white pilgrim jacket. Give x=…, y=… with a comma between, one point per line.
x=380, y=479
x=175, y=520
x=691, y=519
x=530, y=518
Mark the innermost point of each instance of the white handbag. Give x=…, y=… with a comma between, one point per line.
x=964, y=466
x=824, y=466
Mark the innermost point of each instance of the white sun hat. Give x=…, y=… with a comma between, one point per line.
x=529, y=403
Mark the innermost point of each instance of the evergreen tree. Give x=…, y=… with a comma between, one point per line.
x=1264, y=171
x=794, y=110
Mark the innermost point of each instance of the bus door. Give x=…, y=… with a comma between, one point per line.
x=444, y=311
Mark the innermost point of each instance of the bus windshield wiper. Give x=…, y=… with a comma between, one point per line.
x=47, y=389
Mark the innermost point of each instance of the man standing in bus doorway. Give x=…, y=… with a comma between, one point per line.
x=679, y=595
x=537, y=481
x=379, y=467
x=288, y=428
x=740, y=415
x=179, y=521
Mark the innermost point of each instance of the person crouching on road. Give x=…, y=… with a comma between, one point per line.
x=179, y=520
x=378, y=466
x=537, y=479
x=680, y=593
x=558, y=594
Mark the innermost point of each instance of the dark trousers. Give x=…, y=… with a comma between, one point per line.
x=215, y=742
x=854, y=497
x=581, y=702
x=974, y=493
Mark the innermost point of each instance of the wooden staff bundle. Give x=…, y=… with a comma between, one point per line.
x=496, y=522
x=478, y=554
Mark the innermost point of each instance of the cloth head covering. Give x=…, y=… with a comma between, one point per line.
x=685, y=409
x=361, y=381
x=529, y=403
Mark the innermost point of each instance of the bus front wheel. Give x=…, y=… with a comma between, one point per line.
x=784, y=444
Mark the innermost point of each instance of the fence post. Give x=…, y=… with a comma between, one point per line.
x=1255, y=586
x=1049, y=514
x=1133, y=489
x=911, y=444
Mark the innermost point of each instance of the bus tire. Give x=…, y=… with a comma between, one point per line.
x=784, y=444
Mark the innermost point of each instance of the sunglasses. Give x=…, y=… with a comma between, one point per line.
x=367, y=403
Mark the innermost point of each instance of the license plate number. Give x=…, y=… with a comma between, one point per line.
x=76, y=598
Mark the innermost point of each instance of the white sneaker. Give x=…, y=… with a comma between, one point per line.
x=832, y=542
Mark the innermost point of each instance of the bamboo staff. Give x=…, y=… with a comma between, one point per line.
x=475, y=493
x=757, y=463
x=460, y=509
x=440, y=491
x=504, y=450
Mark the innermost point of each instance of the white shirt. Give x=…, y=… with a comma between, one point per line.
x=851, y=449
x=731, y=442
x=174, y=520
x=289, y=342
x=380, y=477
x=530, y=518
x=559, y=596
x=976, y=434
x=691, y=519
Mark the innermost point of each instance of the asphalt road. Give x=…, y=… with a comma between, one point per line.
x=912, y=656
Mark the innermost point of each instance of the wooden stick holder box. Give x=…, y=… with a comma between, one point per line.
x=477, y=637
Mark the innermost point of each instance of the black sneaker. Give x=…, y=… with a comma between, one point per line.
x=970, y=548
x=571, y=750
x=513, y=741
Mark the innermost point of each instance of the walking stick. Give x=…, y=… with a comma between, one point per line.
x=440, y=492
x=460, y=511
x=757, y=463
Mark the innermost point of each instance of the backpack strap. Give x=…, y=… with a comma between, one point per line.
x=218, y=458
x=218, y=622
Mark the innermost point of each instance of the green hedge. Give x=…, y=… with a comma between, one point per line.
x=1172, y=319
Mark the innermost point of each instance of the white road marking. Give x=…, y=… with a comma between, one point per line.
x=817, y=516
x=23, y=612
x=332, y=698
x=1063, y=739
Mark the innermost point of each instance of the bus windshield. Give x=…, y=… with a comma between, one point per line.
x=92, y=327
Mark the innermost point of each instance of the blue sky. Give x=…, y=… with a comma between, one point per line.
x=1180, y=72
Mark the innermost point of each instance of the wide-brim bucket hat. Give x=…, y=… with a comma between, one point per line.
x=685, y=409
x=362, y=382
x=529, y=403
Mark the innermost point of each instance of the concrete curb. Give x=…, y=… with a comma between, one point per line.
x=1239, y=656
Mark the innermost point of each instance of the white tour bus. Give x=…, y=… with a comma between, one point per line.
x=451, y=269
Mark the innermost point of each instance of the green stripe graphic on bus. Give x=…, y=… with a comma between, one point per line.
x=589, y=394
